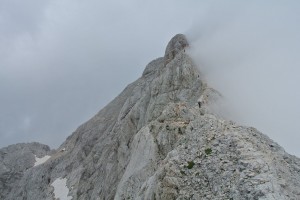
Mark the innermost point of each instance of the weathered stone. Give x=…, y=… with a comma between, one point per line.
x=15, y=160
x=177, y=44
x=156, y=142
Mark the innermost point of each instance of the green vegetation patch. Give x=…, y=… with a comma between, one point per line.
x=208, y=151
x=190, y=164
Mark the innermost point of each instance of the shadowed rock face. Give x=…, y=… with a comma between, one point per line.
x=156, y=142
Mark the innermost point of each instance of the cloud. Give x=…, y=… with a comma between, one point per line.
x=251, y=57
x=62, y=61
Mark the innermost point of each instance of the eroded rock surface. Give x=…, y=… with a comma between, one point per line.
x=15, y=160
x=160, y=139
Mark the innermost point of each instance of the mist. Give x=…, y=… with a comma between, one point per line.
x=63, y=61
x=250, y=53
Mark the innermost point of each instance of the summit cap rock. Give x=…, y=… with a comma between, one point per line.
x=176, y=44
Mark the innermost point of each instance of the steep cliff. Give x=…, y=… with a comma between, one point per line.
x=162, y=139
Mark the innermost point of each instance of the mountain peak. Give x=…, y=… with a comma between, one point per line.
x=176, y=44
x=160, y=139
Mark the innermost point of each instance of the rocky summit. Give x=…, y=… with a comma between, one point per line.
x=160, y=139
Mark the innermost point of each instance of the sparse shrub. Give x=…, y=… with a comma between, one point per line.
x=190, y=164
x=208, y=151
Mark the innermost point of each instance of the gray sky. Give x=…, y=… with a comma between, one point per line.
x=61, y=61
x=250, y=53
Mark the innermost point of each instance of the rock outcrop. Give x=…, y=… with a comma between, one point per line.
x=161, y=139
x=15, y=160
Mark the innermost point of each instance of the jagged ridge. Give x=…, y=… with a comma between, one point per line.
x=160, y=139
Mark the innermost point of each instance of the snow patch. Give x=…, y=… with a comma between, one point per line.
x=39, y=161
x=60, y=189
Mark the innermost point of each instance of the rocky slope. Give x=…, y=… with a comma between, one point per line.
x=15, y=160
x=161, y=139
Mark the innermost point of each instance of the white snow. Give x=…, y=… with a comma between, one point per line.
x=60, y=189
x=39, y=161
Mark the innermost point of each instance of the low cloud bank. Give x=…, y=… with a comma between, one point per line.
x=250, y=53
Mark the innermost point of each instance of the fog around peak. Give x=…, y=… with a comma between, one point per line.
x=62, y=61
x=250, y=53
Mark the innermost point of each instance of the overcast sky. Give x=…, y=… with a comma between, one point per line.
x=61, y=61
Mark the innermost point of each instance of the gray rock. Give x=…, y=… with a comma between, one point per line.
x=15, y=160
x=163, y=138
x=177, y=44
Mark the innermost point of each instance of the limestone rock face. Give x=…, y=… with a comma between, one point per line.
x=177, y=44
x=161, y=139
x=15, y=160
